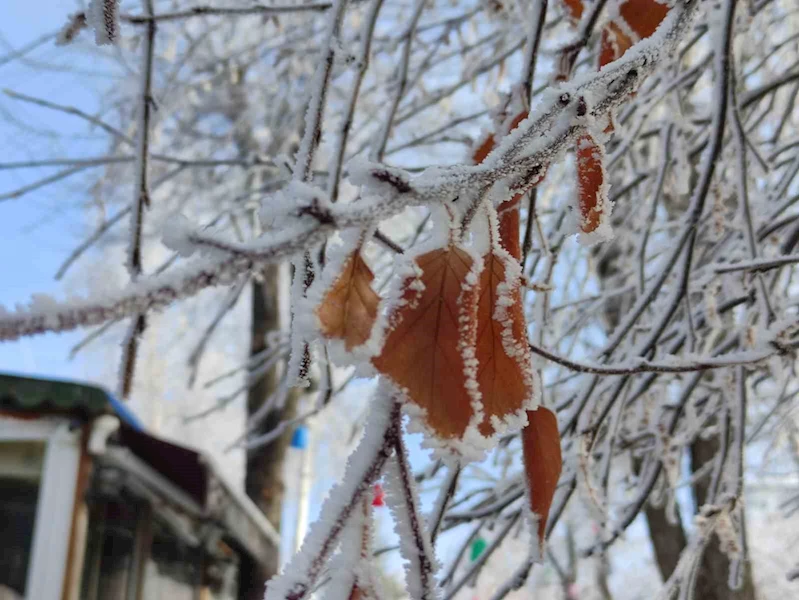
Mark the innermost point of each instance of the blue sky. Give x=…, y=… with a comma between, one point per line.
x=39, y=229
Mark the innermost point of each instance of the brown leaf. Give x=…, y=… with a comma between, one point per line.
x=509, y=221
x=508, y=214
x=349, y=307
x=614, y=43
x=504, y=377
x=517, y=119
x=643, y=16
x=504, y=372
x=542, y=464
x=575, y=8
x=355, y=593
x=430, y=328
x=483, y=150
x=590, y=183
x=508, y=211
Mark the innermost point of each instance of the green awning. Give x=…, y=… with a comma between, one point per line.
x=24, y=394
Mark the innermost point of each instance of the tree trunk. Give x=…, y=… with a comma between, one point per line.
x=668, y=539
x=711, y=581
x=712, y=576
x=601, y=576
x=264, y=482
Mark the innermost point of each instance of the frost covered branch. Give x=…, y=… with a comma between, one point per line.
x=645, y=366
x=222, y=11
x=363, y=468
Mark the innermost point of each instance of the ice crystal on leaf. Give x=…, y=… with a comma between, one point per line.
x=505, y=374
x=594, y=205
x=429, y=349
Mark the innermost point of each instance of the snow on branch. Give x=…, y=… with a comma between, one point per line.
x=141, y=200
x=103, y=17
x=562, y=115
x=228, y=11
x=642, y=365
x=415, y=544
x=363, y=467
x=304, y=269
x=44, y=314
x=566, y=112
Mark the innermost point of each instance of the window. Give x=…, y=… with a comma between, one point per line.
x=174, y=570
x=132, y=555
x=108, y=570
x=222, y=578
x=20, y=475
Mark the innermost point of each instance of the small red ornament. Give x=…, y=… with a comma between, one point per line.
x=379, y=498
x=572, y=592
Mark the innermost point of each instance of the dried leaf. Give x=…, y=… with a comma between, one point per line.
x=575, y=8
x=508, y=211
x=509, y=221
x=508, y=214
x=516, y=120
x=355, y=593
x=504, y=362
x=349, y=307
x=483, y=150
x=643, y=16
x=433, y=330
x=542, y=464
x=614, y=43
x=504, y=375
x=591, y=184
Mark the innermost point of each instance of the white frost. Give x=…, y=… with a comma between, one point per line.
x=103, y=17
x=303, y=569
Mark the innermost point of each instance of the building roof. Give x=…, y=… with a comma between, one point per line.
x=29, y=395
x=181, y=478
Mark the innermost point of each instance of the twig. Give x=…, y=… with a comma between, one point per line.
x=415, y=543
x=363, y=468
x=361, y=65
x=645, y=366
x=379, y=146
x=758, y=265
x=448, y=488
x=141, y=199
x=213, y=11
